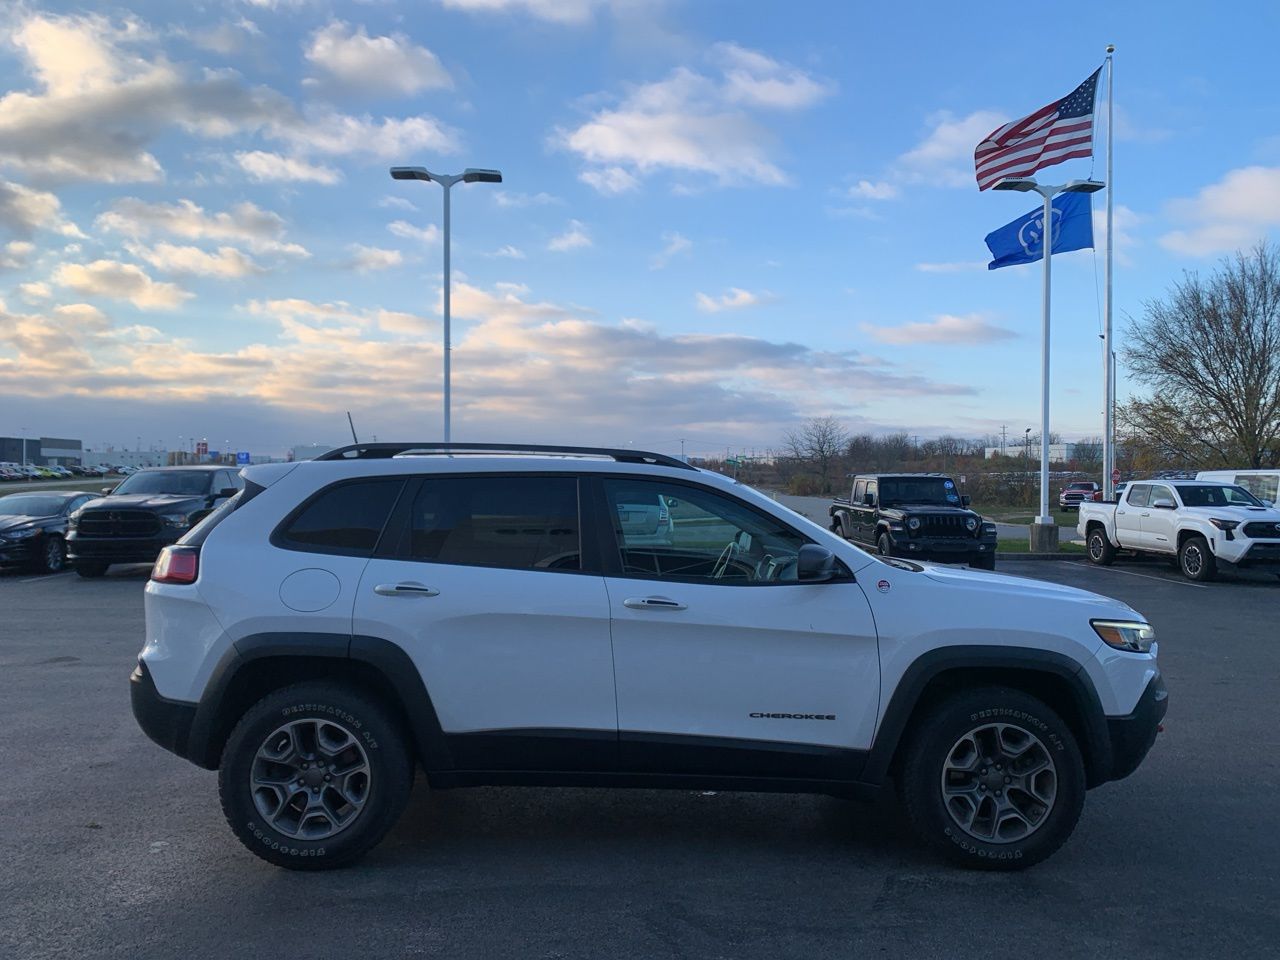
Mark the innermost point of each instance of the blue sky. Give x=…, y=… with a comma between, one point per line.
x=718, y=218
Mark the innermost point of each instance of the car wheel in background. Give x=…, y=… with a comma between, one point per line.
x=1196, y=560
x=1101, y=551
x=993, y=779
x=53, y=556
x=314, y=775
x=90, y=570
x=983, y=561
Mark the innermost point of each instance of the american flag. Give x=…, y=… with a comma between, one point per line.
x=1060, y=131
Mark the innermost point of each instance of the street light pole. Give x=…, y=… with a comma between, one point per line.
x=1048, y=192
x=470, y=175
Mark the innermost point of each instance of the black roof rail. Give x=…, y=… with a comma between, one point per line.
x=383, y=451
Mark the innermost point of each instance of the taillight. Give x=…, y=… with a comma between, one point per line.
x=177, y=565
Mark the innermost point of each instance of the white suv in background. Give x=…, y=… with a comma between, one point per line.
x=498, y=615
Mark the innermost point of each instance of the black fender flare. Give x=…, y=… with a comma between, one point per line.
x=394, y=666
x=930, y=665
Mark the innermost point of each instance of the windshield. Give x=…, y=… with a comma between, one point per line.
x=29, y=505
x=1217, y=495
x=189, y=483
x=929, y=490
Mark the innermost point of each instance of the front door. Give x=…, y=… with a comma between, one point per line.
x=725, y=663
x=1160, y=524
x=484, y=591
x=1129, y=516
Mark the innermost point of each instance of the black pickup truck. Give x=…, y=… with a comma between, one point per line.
x=916, y=515
x=148, y=511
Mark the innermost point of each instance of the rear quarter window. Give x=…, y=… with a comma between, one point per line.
x=346, y=518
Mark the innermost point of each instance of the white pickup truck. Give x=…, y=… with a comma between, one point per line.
x=1201, y=523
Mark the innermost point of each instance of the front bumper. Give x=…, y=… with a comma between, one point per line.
x=1261, y=555
x=1132, y=736
x=118, y=550
x=167, y=722
x=22, y=552
x=944, y=549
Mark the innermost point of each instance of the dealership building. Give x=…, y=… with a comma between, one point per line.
x=40, y=451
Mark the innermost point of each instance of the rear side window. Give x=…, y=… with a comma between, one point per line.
x=347, y=518
x=521, y=523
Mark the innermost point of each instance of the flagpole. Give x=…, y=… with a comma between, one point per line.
x=1108, y=352
x=1044, y=517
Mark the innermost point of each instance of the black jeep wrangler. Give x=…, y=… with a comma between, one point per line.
x=916, y=515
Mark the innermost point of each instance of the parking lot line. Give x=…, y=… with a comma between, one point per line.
x=51, y=576
x=1147, y=576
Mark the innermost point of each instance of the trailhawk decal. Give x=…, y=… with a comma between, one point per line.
x=792, y=716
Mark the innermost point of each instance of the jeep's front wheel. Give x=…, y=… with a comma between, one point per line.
x=314, y=775
x=993, y=779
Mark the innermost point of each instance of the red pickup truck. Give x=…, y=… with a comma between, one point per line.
x=1073, y=493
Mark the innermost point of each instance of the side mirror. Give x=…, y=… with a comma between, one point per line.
x=672, y=503
x=107, y=489
x=815, y=564
x=868, y=499
x=1268, y=503
x=965, y=500
x=1164, y=503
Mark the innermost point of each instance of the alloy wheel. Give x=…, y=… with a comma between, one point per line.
x=1192, y=560
x=55, y=556
x=999, y=783
x=310, y=779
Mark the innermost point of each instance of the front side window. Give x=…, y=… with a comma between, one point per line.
x=347, y=518
x=1162, y=493
x=1138, y=495
x=705, y=536
x=859, y=492
x=521, y=523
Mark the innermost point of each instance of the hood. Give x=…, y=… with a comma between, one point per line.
x=142, y=501
x=1243, y=514
x=996, y=585
x=14, y=522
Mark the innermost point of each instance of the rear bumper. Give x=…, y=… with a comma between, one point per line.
x=167, y=722
x=1132, y=736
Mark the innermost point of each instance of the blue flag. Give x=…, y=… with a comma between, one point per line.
x=1023, y=240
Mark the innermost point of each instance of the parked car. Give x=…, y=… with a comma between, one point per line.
x=143, y=513
x=33, y=528
x=1070, y=496
x=917, y=515
x=1203, y=524
x=485, y=615
x=1263, y=484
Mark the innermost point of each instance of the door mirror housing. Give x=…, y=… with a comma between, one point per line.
x=868, y=499
x=965, y=500
x=107, y=489
x=1268, y=503
x=1164, y=503
x=815, y=564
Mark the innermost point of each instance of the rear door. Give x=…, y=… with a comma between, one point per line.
x=484, y=587
x=725, y=662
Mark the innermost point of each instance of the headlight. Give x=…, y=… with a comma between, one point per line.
x=1132, y=635
x=971, y=524
x=175, y=519
x=913, y=523
x=1227, y=525
x=21, y=534
x=74, y=519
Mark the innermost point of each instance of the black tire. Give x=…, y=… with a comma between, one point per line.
x=1196, y=560
x=53, y=555
x=376, y=740
x=937, y=736
x=884, y=546
x=837, y=527
x=89, y=570
x=983, y=561
x=1101, y=551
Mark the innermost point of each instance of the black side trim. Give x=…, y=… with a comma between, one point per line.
x=587, y=751
x=167, y=722
x=1134, y=735
x=681, y=755
x=399, y=670
x=648, y=781
x=1097, y=745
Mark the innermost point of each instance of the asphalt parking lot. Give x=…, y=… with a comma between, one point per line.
x=114, y=848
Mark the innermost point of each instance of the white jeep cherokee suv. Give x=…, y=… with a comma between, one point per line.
x=482, y=612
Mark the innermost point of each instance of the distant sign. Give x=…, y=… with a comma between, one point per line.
x=202, y=448
x=242, y=457
x=1115, y=476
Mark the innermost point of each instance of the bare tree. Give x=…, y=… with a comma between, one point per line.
x=1211, y=352
x=819, y=441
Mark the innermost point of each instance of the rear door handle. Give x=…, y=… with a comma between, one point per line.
x=406, y=589
x=653, y=603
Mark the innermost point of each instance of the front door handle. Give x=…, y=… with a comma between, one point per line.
x=406, y=589
x=653, y=603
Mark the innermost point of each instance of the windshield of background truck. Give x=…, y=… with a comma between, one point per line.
x=937, y=491
x=1217, y=495
x=185, y=483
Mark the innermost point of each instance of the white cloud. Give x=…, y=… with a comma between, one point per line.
x=400, y=203
x=226, y=38
x=338, y=134
x=505, y=198
x=1233, y=213
x=120, y=281
x=509, y=252
x=359, y=63
x=16, y=254
x=553, y=11
x=735, y=298
x=575, y=237
x=1126, y=221
x=693, y=123
x=261, y=230
x=35, y=291
x=945, y=328
x=961, y=266
x=265, y=167
x=227, y=263
x=674, y=245
x=24, y=210
x=402, y=228
x=873, y=190
x=945, y=156
x=365, y=259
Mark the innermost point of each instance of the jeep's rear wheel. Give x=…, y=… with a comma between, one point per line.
x=313, y=776
x=1101, y=552
x=993, y=779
